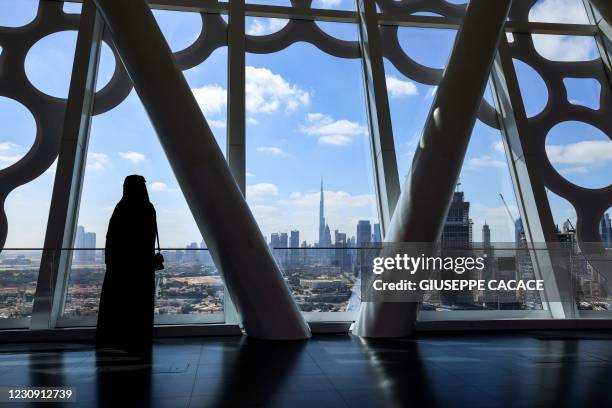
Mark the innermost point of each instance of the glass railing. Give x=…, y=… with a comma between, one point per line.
x=18, y=279
x=571, y=274
x=190, y=285
x=321, y=280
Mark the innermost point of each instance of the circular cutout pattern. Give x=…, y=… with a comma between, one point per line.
x=264, y=26
x=17, y=131
x=533, y=88
x=17, y=13
x=559, y=11
x=106, y=67
x=180, y=28
x=48, y=64
x=430, y=47
x=581, y=153
x=565, y=48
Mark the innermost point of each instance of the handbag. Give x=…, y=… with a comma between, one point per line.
x=158, y=258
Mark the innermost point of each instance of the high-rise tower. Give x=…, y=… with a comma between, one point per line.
x=486, y=235
x=322, y=217
x=458, y=226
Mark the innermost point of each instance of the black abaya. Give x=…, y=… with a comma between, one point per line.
x=125, y=316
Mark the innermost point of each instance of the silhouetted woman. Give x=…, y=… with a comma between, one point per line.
x=125, y=316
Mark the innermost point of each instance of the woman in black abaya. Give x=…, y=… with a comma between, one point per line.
x=125, y=316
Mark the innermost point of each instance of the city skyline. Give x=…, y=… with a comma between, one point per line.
x=280, y=239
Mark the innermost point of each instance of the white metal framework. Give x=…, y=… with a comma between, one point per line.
x=378, y=40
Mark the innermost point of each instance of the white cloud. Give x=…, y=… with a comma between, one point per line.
x=4, y=146
x=559, y=11
x=97, y=161
x=264, y=26
x=398, y=88
x=271, y=150
x=499, y=147
x=158, y=186
x=211, y=98
x=216, y=123
x=261, y=190
x=248, y=174
x=267, y=92
x=337, y=140
x=485, y=161
x=574, y=170
x=326, y=3
x=580, y=153
x=133, y=157
x=331, y=131
x=334, y=200
x=9, y=159
x=564, y=47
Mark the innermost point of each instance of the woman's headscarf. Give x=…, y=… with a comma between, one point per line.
x=135, y=190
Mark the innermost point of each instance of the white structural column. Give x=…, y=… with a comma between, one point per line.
x=236, y=244
x=379, y=117
x=63, y=211
x=423, y=203
x=236, y=130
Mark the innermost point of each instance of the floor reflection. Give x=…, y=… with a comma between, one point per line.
x=509, y=370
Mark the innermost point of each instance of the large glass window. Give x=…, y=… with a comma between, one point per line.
x=309, y=171
x=123, y=142
x=309, y=166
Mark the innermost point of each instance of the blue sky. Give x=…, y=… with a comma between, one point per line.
x=306, y=120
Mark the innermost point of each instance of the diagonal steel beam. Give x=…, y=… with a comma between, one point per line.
x=379, y=116
x=424, y=201
x=237, y=246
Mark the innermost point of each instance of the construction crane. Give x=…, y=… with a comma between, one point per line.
x=507, y=209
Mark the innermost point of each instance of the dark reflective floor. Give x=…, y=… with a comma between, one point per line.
x=522, y=370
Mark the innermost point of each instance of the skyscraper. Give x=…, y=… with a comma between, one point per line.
x=324, y=232
x=605, y=229
x=457, y=232
x=458, y=225
x=284, y=240
x=321, y=217
x=294, y=243
x=364, y=233
x=519, y=232
x=85, y=239
x=275, y=244
x=284, y=252
x=342, y=255
x=274, y=240
x=486, y=235
x=377, y=237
